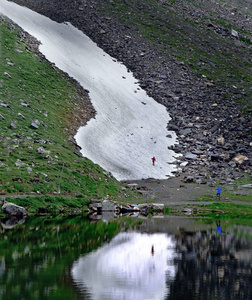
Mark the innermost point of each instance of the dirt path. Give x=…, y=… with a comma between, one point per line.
x=174, y=191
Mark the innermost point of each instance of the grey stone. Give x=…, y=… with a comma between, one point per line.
x=108, y=205
x=200, y=181
x=13, y=209
x=20, y=164
x=29, y=170
x=143, y=206
x=188, y=179
x=13, y=126
x=7, y=75
x=21, y=116
x=4, y=105
x=42, y=150
x=247, y=186
x=25, y=104
x=185, y=131
x=190, y=155
x=34, y=126
x=234, y=33
x=157, y=206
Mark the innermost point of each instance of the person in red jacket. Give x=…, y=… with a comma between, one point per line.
x=153, y=160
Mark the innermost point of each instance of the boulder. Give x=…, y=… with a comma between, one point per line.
x=188, y=179
x=42, y=150
x=247, y=186
x=13, y=209
x=20, y=164
x=191, y=156
x=239, y=159
x=34, y=126
x=157, y=206
x=108, y=205
x=7, y=75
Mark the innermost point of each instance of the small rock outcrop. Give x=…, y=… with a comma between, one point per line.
x=13, y=209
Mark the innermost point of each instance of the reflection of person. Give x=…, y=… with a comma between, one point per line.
x=152, y=250
x=218, y=193
x=153, y=160
x=218, y=226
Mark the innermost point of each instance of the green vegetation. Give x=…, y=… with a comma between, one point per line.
x=38, y=255
x=42, y=161
x=235, y=213
x=52, y=205
x=232, y=209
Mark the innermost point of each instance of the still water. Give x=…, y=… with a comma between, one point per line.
x=128, y=258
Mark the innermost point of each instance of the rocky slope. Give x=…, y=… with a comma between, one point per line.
x=187, y=56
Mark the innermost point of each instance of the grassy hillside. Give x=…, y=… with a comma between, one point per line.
x=40, y=111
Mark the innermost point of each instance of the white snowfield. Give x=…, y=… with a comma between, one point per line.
x=130, y=127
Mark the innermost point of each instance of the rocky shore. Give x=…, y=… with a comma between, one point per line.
x=214, y=136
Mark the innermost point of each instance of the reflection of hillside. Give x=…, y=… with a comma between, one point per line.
x=11, y=222
x=213, y=262
x=212, y=265
x=132, y=266
x=35, y=257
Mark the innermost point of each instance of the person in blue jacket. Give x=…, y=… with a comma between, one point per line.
x=218, y=193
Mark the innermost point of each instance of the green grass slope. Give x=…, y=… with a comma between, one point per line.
x=43, y=160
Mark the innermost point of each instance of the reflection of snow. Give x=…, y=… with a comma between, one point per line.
x=129, y=127
x=126, y=269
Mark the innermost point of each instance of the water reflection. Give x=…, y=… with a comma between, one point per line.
x=131, y=266
x=171, y=258
x=11, y=222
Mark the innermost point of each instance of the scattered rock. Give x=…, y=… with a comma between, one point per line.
x=7, y=75
x=34, y=126
x=42, y=150
x=240, y=159
x=191, y=156
x=234, y=33
x=21, y=116
x=2, y=104
x=13, y=126
x=25, y=104
x=247, y=186
x=20, y=164
x=188, y=179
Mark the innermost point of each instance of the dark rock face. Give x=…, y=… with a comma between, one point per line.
x=211, y=130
